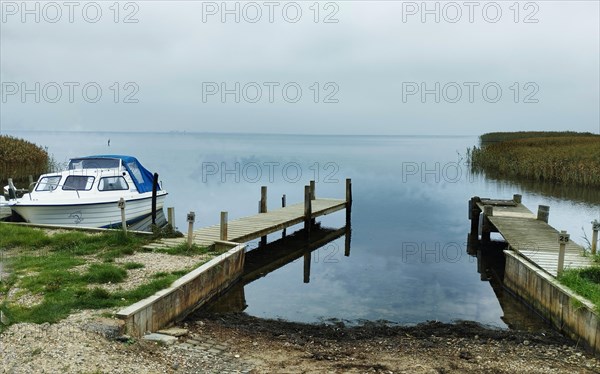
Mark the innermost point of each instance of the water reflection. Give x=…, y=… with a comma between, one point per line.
x=273, y=256
x=552, y=190
x=490, y=266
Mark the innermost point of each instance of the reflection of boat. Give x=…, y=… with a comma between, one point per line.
x=88, y=192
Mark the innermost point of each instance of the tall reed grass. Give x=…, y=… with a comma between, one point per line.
x=20, y=158
x=565, y=158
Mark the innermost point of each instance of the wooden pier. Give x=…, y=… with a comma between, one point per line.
x=245, y=229
x=526, y=233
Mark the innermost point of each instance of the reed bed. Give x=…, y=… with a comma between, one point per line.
x=565, y=158
x=20, y=158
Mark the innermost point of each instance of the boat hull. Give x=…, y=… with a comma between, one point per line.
x=104, y=214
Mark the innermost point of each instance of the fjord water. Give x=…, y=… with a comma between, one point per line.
x=408, y=261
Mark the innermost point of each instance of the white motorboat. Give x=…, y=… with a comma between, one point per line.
x=87, y=194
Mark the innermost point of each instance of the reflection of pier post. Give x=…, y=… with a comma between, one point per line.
x=307, y=259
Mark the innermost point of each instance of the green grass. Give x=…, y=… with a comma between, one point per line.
x=44, y=265
x=105, y=273
x=132, y=265
x=564, y=158
x=584, y=282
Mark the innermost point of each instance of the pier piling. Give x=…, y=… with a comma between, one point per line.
x=123, y=217
x=307, y=209
x=543, y=213
x=171, y=217
x=486, y=227
x=563, y=239
x=191, y=217
x=595, y=228
x=224, y=220
x=283, y=203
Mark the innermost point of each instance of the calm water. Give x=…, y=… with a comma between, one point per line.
x=408, y=260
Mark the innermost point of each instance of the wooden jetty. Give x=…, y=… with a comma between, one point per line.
x=526, y=233
x=245, y=229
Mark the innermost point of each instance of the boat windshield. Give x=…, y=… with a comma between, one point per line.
x=94, y=163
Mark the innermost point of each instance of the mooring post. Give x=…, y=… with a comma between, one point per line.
x=312, y=190
x=307, y=209
x=595, y=228
x=263, y=199
x=191, y=217
x=171, y=216
x=348, y=192
x=123, y=218
x=543, y=213
x=31, y=183
x=474, y=212
x=283, y=203
x=563, y=239
x=517, y=198
x=307, y=259
x=223, y=235
x=486, y=228
x=154, y=190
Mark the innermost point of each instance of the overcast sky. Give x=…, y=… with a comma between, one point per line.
x=380, y=67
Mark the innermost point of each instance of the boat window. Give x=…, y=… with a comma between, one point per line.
x=136, y=173
x=113, y=184
x=48, y=183
x=93, y=163
x=78, y=182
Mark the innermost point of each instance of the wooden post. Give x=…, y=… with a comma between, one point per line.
x=517, y=198
x=474, y=212
x=191, y=217
x=486, y=229
x=307, y=259
x=154, y=190
x=595, y=228
x=563, y=239
x=543, y=213
x=223, y=235
x=171, y=216
x=307, y=209
x=348, y=192
x=312, y=190
x=283, y=203
x=123, y=218
x=263, y=199
x=31, y=183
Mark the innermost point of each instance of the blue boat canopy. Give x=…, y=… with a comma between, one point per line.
x=142, y=178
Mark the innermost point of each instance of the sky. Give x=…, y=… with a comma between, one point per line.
x=307, y=67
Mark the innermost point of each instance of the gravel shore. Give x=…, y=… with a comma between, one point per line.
x=242, y=344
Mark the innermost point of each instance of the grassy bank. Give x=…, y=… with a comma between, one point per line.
x=20, y=158
x=48, y=275
x=584, y=282
x=557, y=157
